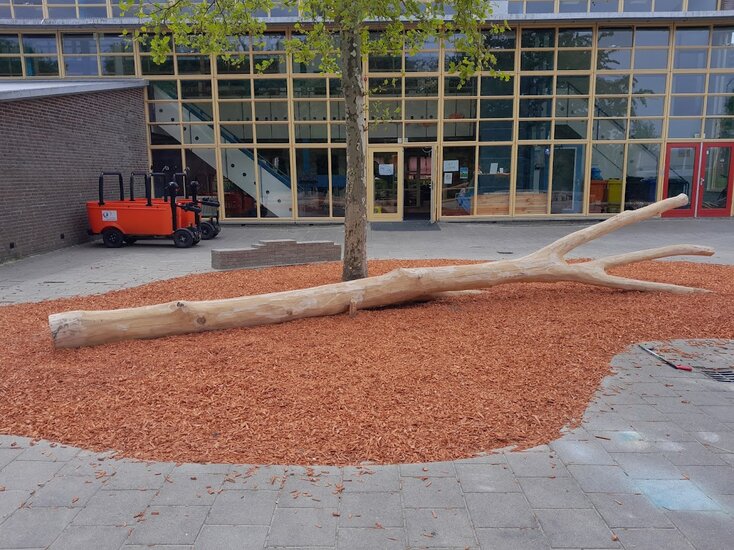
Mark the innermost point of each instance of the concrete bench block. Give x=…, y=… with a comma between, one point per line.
x=276, y=252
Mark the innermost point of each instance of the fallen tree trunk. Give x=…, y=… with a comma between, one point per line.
x=88, y=328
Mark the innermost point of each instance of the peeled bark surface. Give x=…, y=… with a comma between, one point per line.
x=88, y=328
x=355, y=215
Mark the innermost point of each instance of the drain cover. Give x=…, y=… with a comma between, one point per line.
x=720, y=375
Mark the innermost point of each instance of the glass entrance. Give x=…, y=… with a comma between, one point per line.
x=716, y=180
x=384, y=194
x=417, y=183
x=704, y=172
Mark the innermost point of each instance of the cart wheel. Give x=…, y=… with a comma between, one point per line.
x=131, y=240
x=113, y=238
x=197, y=235
x=208, y=230
x=183, y=238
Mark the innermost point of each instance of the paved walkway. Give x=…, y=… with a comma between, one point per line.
x=652, y=466
x=91, y=268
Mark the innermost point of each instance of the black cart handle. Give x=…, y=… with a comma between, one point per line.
x=146, y=179
x=101, y=185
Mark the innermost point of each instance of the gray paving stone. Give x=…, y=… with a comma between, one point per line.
x=514, y=539
x=262, y=478
x=676, y=494
x=705, y=530
x=622, y=510
x=714, y=480
x=34, y=527
x=641, y=412
x=652, y=539
x=696, y=422
x=301, y=492
x=606, y=421
x=10, y=501
x=560, y=492
x=303, y=527
x=49, y=452
x=536, y=465
x=8, y=455
x=169, y=525
x=73, y=491
x=436, y=492
x=27, y=474
x=14, y=442
x=242, y=537
x=158, y=547
x=601, y=479
x=429, y=469
x=500, y=510
x=661, y=431
x=370, y=539
x=581, y=452
x=114, y=507
x=381, y=479
x=692, y=453
x=188, y=490
x=240, y=507
x=137, y=475
x=479, y=478
x=370, y=509
x=625, y=441
x=575, y=529
x=86, y=463
x=717, y=442
x=439, y=528
x=647, y=466
x=190, y=469
x=91, y=537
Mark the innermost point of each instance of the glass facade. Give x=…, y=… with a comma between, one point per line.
x=580, y=123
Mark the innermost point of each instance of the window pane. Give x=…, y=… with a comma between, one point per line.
x=536, y=108
x=309, y=87
x=118, y=65
x=500, y=130
x=719, y=128
x=453, y=86
x=9, y=43
x=722, y=58
x=574, y=60
x=271, y=133
x=607, y=168
x=723, y=36
x=39, y=43
x=642, y=175
x=531, y=183
x=652, y=37
x=651, y=59
x=237, y=110
x=310, y=110
x=422, y=62
x=81, y=66
x=614, y=60
x=386, y=87
x=646, y=128
x=686, y=105
x=41, y=66
x=538, y=38
x=575, y=38
x=638, y=5
x=668, y=5
x=615, y=38
x=572, y=107
x=691, y=37
x=536, y=85
x=684, y=128
x=492, y=86
x=570, y=129
x=240, y=190
x=338, y=180
x=690, y=59
x=420, y=86
x=79, y=44
x=237, y=133
x=112, y=43
x=460, y=131
x=274, y=167
x=537, y=61
x=421, y=109
x=271, y=88
x=421, y=132
x=649, y=83
x=534, y=130
x=495, y=108
x=194, y=64
x=312, y=181
x=720, y=105
x=612, y=84
x=457, y=192
x=610, y=107
x=493, y=191
x=10, y=66
x=572, y=85
x=609, y=129
x=572, y=6
x=720, y=84
x=568, y=179
x=689, y=83
x=647, y=106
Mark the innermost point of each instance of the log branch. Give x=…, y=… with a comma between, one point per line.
x=89, y=328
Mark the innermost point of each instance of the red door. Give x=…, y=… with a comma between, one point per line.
x=681, y=176
x=704, y=172
x=715, y=182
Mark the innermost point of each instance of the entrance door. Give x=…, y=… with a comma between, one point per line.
x=417, y=183
x=716, y=180
x=705, y=173
x=384, y=196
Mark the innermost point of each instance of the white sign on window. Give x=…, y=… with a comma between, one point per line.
x=451, y=166
x=386, y=169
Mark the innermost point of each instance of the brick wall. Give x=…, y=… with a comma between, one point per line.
x=52, y=150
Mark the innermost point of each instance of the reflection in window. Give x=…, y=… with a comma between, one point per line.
x=312, y=182
x=457, y=191
x=240, y=189
x=274, y=168
x=642, y=175
x=568, y=179
x=607, y=168
x=338, y=181
x=493, y=183
x=531, y=182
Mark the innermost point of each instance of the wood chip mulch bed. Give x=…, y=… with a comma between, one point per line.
x=426, y=382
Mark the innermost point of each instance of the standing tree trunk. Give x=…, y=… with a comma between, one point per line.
x=355, y=215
